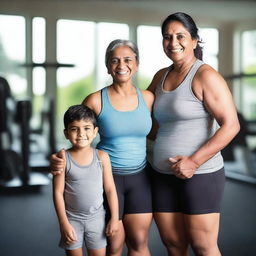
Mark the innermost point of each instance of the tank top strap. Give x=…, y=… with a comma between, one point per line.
x=96, y=157
x=194, y=69
x=104, y=98
x=160, y=84
x=141, y=100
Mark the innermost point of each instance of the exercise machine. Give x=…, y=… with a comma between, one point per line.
x=15, y=169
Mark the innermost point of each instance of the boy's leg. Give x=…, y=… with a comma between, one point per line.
x=94, y=235
x=74, y=249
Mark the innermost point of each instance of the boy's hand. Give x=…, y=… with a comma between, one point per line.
x=58, y=162
x=112, y=227
x=68, y=234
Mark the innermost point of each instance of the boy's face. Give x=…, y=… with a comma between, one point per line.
x=81, y=133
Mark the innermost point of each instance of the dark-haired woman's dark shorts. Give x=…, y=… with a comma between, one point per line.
x=134, y=193
x=200, y=194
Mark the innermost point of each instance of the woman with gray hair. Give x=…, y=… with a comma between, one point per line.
x=124, y=120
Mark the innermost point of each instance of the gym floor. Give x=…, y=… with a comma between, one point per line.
x=28, y=224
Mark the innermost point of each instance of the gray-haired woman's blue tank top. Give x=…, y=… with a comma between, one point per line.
x=184, y=125
x=123, y=134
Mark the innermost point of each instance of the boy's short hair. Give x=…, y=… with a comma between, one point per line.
x=79, y=112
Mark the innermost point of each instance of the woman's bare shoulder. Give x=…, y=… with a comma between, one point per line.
x=156, y=79
x=93, y=101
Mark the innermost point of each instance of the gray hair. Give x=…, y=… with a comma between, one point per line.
x=121, y=42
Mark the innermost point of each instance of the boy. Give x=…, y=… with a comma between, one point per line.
x=78, y=191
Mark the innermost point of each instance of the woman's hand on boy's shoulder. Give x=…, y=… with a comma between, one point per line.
x=58, y=162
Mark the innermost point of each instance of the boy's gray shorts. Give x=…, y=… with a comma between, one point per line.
x=90, y=232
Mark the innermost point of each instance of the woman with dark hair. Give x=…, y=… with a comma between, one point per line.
x=196, y=118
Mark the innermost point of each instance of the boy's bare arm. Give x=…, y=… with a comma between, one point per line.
x=66, y=229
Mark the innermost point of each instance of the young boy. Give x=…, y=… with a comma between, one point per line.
x=78, y=191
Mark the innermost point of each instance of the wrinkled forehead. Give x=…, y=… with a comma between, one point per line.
x=123, y=50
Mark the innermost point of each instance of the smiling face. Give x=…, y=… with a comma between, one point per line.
x=122, y=64
x=177, y=41
x=81, y=133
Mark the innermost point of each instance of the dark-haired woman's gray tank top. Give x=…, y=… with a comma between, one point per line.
x=184, y=125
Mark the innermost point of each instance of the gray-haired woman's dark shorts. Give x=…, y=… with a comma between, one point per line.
x=200, y=194
x=134, y=193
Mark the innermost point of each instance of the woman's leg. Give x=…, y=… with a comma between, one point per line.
x=96, y=252
x=203, y=232
x=75, y=252
x=204, y=193
x=167, y=213
x=137, y=229
x=116, y=243
x=172, y=231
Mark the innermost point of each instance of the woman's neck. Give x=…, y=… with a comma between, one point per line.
x=183, y=66
x=124, y=88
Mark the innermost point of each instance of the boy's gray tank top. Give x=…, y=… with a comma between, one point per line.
x=184, y=125
x=83, y=192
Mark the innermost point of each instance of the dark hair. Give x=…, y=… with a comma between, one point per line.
x=79, y=112
x=190, y=25
x=121, y=42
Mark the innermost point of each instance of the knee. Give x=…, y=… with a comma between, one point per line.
x=199, y=250
x=137, y=242
x=203, y=249
x=115, y=247
x=113, y=250
x=177, y=244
